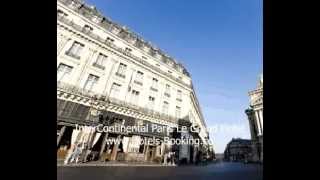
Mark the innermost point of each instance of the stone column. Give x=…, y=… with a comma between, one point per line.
x=111, y=71
x=257, y=121
x=162, y=148
x=90, y=142
x=158, y=150
x=144, y=149
x=146, y=153
x=103, y=145
x=252, y=125
x=115, y=150
x=63, y=129
x=261, y=120
x=79, y=74
x=62, y=43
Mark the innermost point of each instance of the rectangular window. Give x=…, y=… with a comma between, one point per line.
x=152, y=52
x=179, y=95
x=63, y=72
x=91, y=81
x=134, y=97
x=167, y=90
x=151, y=102
x=61, y=14
x=109, y=40
x=139, y=78
x=154, y=83
x=128, y=50
x=122, y=70
x=115, y=90
x=87, y=29
x=100, y=62
x=75, y=50
x=165, y=107
x=178, y=112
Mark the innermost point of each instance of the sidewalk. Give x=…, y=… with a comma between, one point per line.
x=110, y=163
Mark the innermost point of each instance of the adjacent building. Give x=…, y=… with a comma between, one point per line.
x=107, y=74
x=238, y=150
x=255, y=117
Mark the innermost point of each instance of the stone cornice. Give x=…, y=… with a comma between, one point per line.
x=197, y=107
x=259, y=90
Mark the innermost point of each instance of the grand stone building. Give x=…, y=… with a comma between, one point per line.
x=255, y=117
x=106, y=74
x=238, y=150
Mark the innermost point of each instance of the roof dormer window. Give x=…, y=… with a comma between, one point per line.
x=87, y=29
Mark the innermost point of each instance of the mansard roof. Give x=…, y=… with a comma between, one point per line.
x=124, y=32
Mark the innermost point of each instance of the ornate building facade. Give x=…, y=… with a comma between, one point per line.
x=255, y=117
x=106, y=74
x=238, y=150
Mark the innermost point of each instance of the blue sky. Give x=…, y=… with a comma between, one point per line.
x=218, y=41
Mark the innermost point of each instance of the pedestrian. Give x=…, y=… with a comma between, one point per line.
x=76, y=153
x=169, y=158
x=69, y=155
x=173, y=157
x=165, y=159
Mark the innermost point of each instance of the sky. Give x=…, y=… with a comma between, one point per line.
x=218, y=41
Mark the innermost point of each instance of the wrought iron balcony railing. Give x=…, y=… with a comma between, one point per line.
x=72, y=55
x=138, y=82
x=153, y=89
x=120, y=75
x=98, y=66
x=143, y=110
x=80, y=91
x=75, y=90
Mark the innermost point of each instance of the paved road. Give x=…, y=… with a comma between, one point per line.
x=218, y=171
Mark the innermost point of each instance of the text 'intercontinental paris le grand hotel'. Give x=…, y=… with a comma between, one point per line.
x=109, y=75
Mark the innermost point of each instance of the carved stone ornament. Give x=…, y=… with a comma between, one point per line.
x=94, y=112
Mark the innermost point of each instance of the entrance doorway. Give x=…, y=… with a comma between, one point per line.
x=65, y=142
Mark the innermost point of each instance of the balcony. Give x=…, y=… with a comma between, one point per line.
x=143, y=110
x=179, y=99
x=98, y=66
x=153, y=89
x=138, y=82
x=167, y=94
x=120, y=75
x=77, y=90
x=72, y=55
